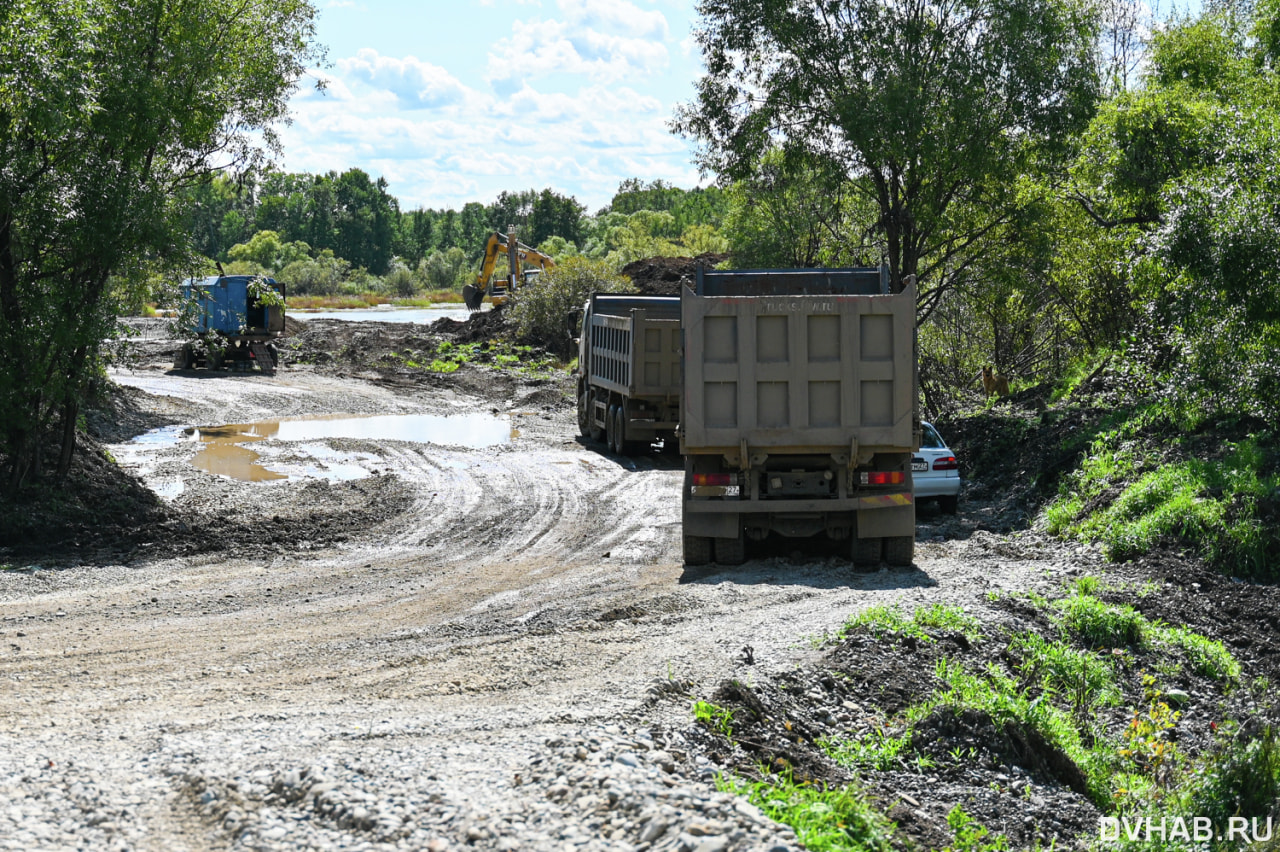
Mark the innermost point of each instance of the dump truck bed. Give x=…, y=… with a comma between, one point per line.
x=635, y=345
x=822, y=363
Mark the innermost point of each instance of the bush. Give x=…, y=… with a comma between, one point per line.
x=544, y=312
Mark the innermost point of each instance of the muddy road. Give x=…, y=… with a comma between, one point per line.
x=474, y=633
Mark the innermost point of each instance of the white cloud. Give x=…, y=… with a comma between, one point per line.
x=602, y=40
x=577, y=104
x=413, y=81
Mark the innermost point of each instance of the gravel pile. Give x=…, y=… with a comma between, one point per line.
x=599, y=788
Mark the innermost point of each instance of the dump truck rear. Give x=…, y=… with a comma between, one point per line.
x=799, y=413
x=629, y=370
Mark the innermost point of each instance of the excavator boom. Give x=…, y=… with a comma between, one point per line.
x=520, y=258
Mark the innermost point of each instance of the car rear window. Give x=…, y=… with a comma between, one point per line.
x=930, y=439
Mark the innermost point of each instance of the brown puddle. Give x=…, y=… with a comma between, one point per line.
x=223, y=452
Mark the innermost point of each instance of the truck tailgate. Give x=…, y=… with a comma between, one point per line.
x=798, y=373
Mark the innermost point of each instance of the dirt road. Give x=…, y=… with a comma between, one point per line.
x=423, y=668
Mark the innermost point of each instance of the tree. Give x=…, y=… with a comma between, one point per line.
x=107, y=109
x=797, y=214
x=924, y=105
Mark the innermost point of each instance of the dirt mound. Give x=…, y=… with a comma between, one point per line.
x=480, y=326
x=662, y=276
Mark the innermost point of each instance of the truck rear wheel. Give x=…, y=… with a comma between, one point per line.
x=697, y=550
x=731, y=551
x=899, y=550
x=866, y=551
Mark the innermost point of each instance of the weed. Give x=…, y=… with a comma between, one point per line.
x=1208, y=657
x=882, y=620
x=1101, y=624
x=1147, y=742
x=876, y=751
x=824, y=820
x=970, y=836
x=1085, y=680
x=715, y=717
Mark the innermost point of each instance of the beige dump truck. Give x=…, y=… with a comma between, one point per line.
x=799, y=412
x=629, y=370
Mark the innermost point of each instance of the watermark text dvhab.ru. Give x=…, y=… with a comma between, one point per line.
x=1198, y=829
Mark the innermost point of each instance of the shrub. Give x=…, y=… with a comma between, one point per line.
x=543, y=311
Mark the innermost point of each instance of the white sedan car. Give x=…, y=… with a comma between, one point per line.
x=934, y=471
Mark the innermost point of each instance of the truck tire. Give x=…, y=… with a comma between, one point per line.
x=697, y=550
x=584, y=414
x=185, y=359
x=899, y=550
x=866, y=552
x=624, y=447
x=594, y=432
x=611, y=429
x=217, y=357
x=731, y=551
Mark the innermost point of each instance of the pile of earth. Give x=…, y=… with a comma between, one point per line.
x=1004, y=774
x=663, y=276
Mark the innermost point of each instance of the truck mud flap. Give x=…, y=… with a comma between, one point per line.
x=712, y=524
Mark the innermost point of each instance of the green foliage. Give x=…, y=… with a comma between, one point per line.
x=104, y=109
x=936, y=161
x=714, y=717
x=542, y=311
x=877, y=750
x=1102, y=625
x=1084, y=680
x=998, y=695
x=824, y=820
x=880, y=620
x=971, y=836
x=1123, y=496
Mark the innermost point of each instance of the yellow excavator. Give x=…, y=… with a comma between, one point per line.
x=524, y=263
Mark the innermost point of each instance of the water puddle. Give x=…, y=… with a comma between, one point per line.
x=229, y=450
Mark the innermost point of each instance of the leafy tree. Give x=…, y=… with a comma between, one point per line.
x=925, y=106
x=555, y=215
x=796, y=213
x=106, y=109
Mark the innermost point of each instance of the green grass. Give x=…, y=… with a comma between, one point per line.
x=889, y=620
x=877, y=750
x=1100, y=624
x=1103, y=625
x=1084, y=680
x=1132, y=500
x=714, y=717
x=824, y=820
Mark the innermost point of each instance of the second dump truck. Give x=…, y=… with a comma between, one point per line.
x=798, y=412
x=629, y=370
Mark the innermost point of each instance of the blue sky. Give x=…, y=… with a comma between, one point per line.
x=457, y=101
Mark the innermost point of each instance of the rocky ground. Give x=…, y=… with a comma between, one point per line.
x=499, y=647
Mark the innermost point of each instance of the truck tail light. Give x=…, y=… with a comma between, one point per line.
x=883, y=477
x=945, y=463
x=721, y=479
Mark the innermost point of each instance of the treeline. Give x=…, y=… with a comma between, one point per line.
x=334, y=233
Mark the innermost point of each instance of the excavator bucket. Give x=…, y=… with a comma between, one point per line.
x=472, y=296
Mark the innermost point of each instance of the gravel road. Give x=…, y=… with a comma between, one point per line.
x=504, y=662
